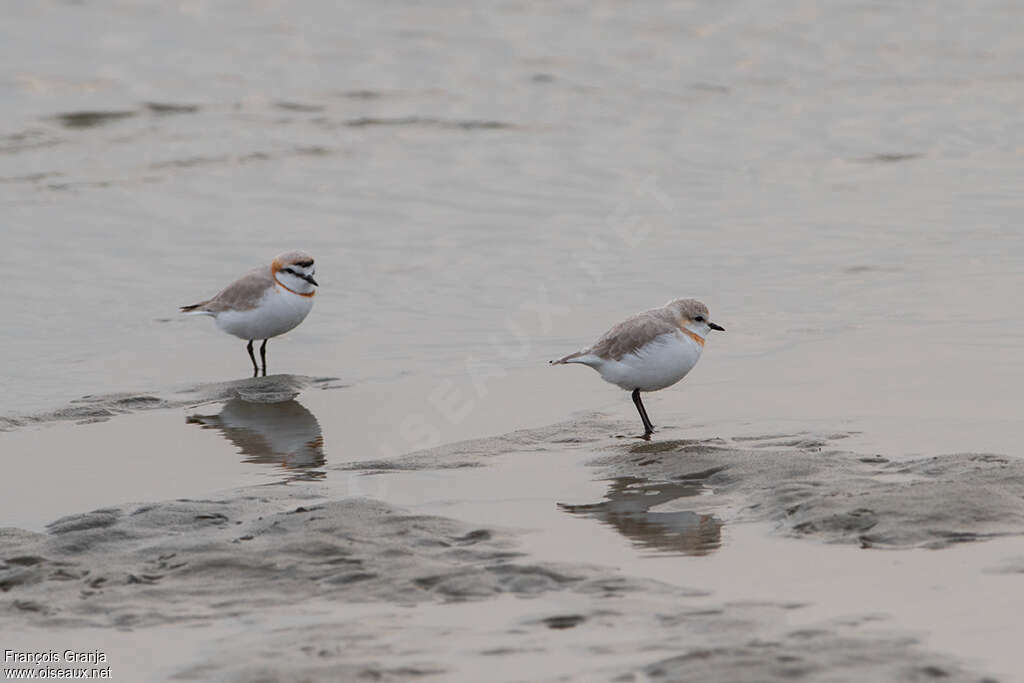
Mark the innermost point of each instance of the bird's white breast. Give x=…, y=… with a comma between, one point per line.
x=277, y=312
x=658, y=364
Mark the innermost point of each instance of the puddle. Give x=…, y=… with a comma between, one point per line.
x=284, y=434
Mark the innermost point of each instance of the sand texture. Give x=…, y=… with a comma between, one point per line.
x=371, y=591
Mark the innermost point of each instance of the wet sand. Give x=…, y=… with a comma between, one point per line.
x=569, y=551
x=215, y=564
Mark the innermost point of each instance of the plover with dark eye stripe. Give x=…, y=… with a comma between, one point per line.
x=650, y=350
x=265, y=302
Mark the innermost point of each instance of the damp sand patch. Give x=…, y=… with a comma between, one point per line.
x=812, y=488
x=102, y=407
x=806, y=483
x=650, y=635
x=199, y=560
x=586, y=432
x=293, y=587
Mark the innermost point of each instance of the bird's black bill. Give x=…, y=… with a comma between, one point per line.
x=716, y=327
x=310, y=280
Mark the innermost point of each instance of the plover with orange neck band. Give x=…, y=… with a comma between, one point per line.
x=265, y=302
x=650, y=350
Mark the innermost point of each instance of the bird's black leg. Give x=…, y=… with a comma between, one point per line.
x=255, y=368
x=648, y=427
x=263, y=356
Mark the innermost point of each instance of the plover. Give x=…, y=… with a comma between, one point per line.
x=650, y=350
x=265, y=302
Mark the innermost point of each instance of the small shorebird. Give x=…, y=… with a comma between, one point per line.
x=650, y=350
x=264, y=303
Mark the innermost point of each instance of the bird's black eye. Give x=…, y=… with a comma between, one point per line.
x=290, y=270
x=699, y=318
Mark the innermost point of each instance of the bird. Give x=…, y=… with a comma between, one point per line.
x=265, y=302
x=649, y=351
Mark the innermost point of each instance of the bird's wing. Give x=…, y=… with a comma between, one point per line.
x=243, y=294
x=631, y=334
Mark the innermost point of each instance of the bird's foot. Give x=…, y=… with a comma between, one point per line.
x=646, y=436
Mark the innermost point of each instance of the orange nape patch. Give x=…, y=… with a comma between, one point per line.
x=692, y=335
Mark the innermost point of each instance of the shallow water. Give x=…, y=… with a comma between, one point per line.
x=487, y=187
x=847, y=192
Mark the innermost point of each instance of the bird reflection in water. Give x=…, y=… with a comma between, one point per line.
x=284, y=434
x=628, y=510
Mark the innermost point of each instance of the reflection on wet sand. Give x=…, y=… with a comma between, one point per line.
x=285, y=434
x=628, y=511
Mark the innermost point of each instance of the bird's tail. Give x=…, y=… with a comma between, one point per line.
x=196, y=309
x=575, y=357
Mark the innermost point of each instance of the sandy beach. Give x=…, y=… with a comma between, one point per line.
x=834, y=493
